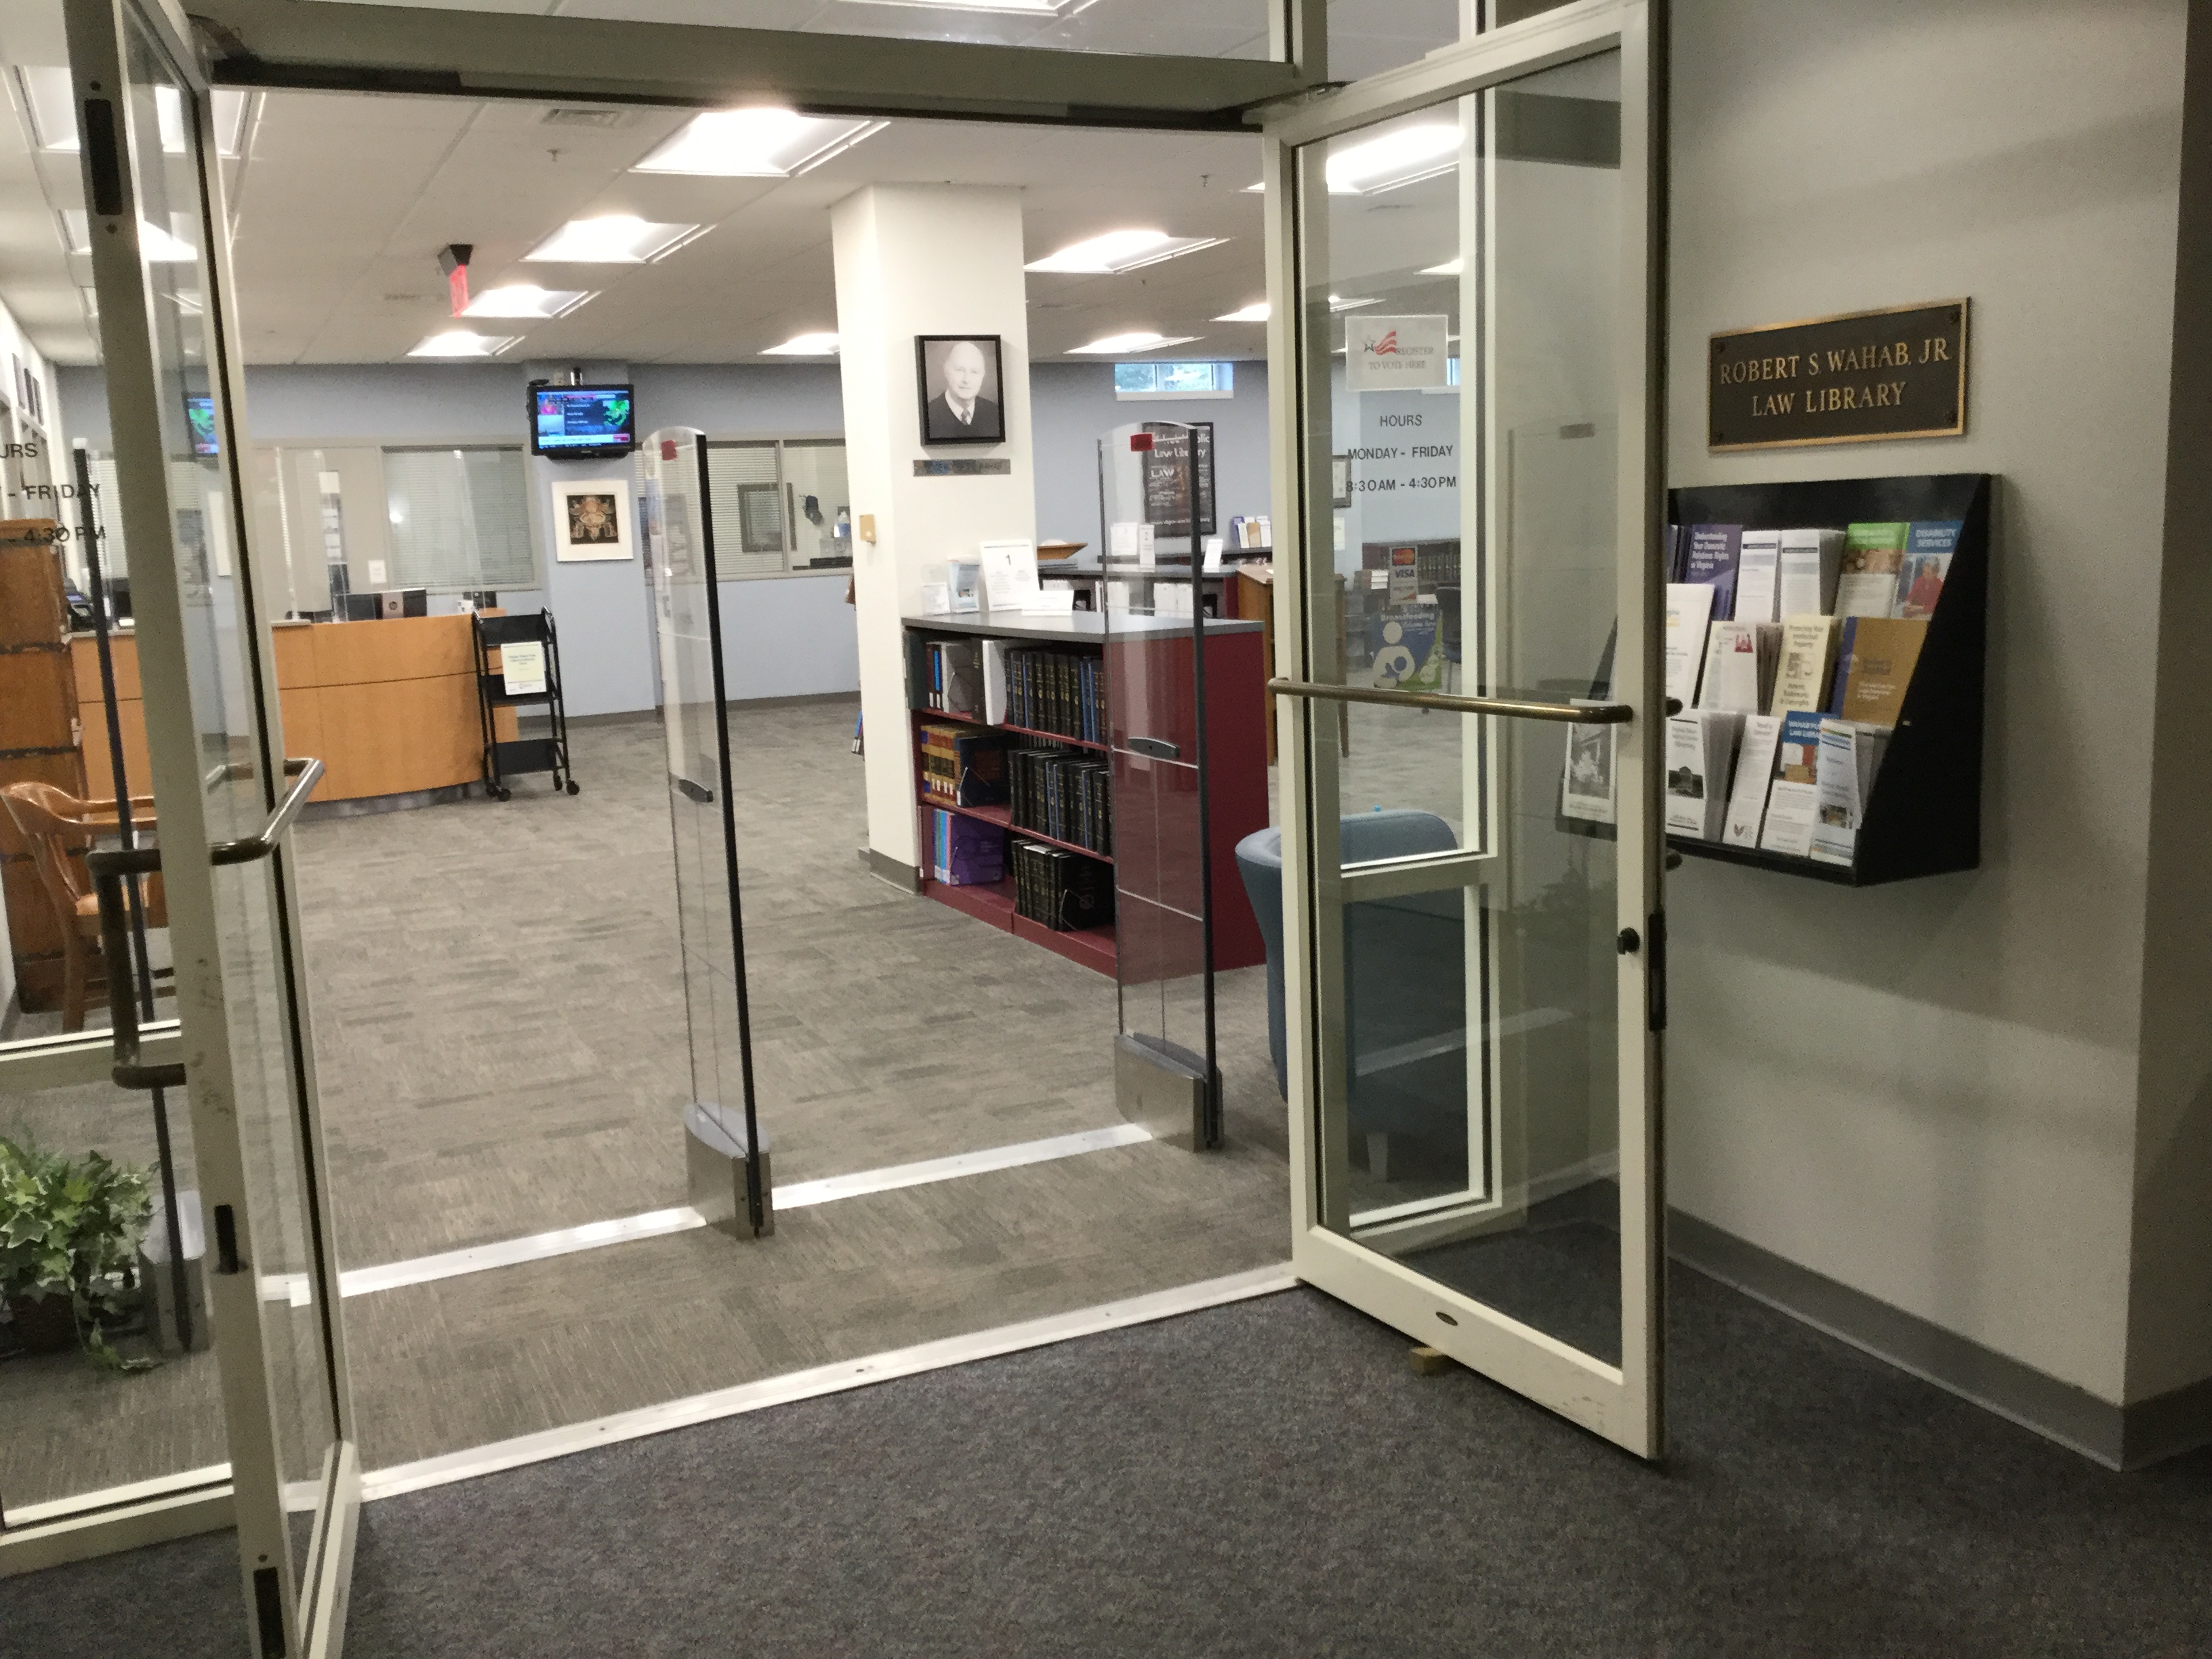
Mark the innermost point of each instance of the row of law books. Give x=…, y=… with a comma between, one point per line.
x=1796, y=784
x=1069, y=797
x=1062, y=692
x=962, y=767
x=1888, y=568
x=1061, y=889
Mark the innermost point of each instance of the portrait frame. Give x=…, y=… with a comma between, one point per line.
x=930, y=351
x=591, y=521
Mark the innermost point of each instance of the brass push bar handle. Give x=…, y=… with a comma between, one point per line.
x=1595, y=713
x=107, y=870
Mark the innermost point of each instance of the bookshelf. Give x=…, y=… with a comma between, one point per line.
x=1924, y=815
x=1155, y=651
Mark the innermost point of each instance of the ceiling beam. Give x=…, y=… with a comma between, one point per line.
x=317, y=44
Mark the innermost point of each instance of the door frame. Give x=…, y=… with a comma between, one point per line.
x=306, y=1613
x=1623, y=1403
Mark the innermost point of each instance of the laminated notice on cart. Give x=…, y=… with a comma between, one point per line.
x=523, y=668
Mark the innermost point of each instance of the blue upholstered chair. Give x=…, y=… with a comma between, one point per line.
x=1406, y=985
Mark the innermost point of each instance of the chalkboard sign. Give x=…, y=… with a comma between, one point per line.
x=1167, y=478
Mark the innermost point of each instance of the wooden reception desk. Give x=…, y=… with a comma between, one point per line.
x=389, y=708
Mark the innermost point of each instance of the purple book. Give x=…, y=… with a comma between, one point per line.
x=1711, y=559
x=969, y=852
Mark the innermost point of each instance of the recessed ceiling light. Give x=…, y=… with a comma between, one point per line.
x=1449, y=268
x=459, y=343
x=527, y=300
x=756, y=144
x=803, y=345
x=1404, y=155
x=1140, y=341
x=1257, y=311
x=51, y=99
x=1338, y=302
x=612, y=238
x=1259, y=189
x=1121, y=250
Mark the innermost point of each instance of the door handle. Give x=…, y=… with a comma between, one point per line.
x=1156, y=748
x=108, y=869
x=696, y=791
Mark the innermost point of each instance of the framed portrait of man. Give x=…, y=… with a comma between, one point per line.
x=963, y=394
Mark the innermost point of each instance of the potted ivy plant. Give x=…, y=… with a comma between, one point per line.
x=69, y=1245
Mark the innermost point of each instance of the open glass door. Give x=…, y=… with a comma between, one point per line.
x=225, y=797
x=1462, y=269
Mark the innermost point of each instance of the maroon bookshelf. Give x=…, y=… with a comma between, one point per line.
x=1236, y=738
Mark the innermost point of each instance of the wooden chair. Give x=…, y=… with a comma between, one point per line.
x=56, y=830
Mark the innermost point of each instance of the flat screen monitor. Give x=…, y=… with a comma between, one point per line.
x=582, y=422
x=199, y=415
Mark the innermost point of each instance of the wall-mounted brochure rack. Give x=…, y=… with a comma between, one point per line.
x=1920, y=813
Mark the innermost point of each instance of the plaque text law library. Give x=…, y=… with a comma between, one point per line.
x=1896, y=374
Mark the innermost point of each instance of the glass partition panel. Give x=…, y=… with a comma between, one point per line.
x=729, y=1180
x=1472, y=412
x=1155, y=489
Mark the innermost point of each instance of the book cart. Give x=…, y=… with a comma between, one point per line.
x=1923, y=814
x=509, y=757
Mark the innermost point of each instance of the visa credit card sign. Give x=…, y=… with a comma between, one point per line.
x=1392, y=354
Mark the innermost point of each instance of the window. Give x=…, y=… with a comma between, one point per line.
x=460, y=518
x=1175, y=379
x=780, y=506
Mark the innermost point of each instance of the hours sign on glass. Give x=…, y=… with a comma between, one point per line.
x=1853, y=378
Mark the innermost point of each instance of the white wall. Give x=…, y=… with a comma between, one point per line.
x=1928, y=1091
x=912, y=260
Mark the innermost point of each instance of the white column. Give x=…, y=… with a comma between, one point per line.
x=912, y=260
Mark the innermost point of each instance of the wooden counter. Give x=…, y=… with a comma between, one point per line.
x=389, y=708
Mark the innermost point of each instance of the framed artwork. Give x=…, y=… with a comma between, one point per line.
x=591, y=519
x=962, y=393
x=760, y=518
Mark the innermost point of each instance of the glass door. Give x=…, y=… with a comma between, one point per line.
x=224, y=798
x=1463, y=265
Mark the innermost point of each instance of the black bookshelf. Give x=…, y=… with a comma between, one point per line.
x=1924, y=817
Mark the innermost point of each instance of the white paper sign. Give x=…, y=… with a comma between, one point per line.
x=1395, y=354
x=1010, y=574
x=523, y=668
x=1058, y=600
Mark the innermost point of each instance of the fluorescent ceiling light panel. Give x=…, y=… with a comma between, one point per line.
x=804, y=345
x=1257, y=311
x=1338, y=302
x=1136, y=342
x=527, y=300
x=1404, y=155
x=756, y=144
x=1121, y=249
x=78, y=227
x=1015, y=8
x=612, y=238
x=52, y=100
x=159, y=247
x=1449, y=268
x=459, y=343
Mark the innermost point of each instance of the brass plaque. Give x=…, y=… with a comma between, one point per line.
x=1853, y=378
x=963, y=468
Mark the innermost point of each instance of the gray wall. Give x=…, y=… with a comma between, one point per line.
x=789, y=637
x=1929, y=1091
x=1073, y=405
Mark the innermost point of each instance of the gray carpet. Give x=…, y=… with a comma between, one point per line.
x=1265, y=1479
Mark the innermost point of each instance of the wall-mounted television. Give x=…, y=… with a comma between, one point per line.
x=199, y=415
x=582, y=422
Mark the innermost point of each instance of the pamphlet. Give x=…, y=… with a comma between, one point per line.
x=522, y=668
x=1755, y=771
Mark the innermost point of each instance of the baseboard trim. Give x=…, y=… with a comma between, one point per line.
x=2119, y=1438
x=904, y=877
x=620, y=717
